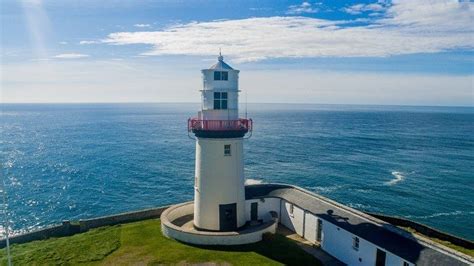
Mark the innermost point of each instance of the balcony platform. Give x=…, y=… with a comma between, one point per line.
x=219, y=128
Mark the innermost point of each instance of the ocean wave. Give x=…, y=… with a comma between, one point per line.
x=359, y=206
x=398, y=177
x=14, y=181
x=327, y=189
x=250, y=181
x=15, y=232
x=438, y=214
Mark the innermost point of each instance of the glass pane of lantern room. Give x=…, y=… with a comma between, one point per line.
x=217, y=95
x=224, y=75
x=217, y=75
x=217, y=104
x=224, y=95
x=224, y=104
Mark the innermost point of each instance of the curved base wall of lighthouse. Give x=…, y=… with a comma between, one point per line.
x=192, y=236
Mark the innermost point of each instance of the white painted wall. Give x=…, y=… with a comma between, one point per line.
x=393, y=260
x=231, y=86
x=219, y=180
x=338, y=243
x=264, y=208
x=293, y=222
x=208, y=238
x=310, y=227
x=209, y=83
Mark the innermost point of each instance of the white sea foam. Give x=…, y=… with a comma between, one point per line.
x=250, y=181
x=328, y=189
x=2, y=231
x=359, y=206
x=12, y=232
x=438, y=214
x=9, y=164
x=14, y=181
x=398, y=177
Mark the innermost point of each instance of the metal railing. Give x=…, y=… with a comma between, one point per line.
x=219, y=125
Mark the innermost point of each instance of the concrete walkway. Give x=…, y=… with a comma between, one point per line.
x=309, y=247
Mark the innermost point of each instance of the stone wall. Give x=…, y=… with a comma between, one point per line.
x=68, y=228
x=425, y=230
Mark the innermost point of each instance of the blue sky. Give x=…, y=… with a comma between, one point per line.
x=413, y=52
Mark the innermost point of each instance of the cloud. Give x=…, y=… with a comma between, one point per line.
x=142, y=25
x=63, y=43
x=89, y=42
x=361, y=8
x=305, y=7
x=71, y=56
x=407, y=27
x=96, y=81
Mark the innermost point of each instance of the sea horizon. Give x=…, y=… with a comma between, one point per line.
x=243, y=104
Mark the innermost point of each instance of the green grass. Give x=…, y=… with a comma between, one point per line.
x=88, y=247
x=142, y=243
x=464, y=250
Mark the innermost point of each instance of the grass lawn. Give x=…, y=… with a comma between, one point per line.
x=142, y=243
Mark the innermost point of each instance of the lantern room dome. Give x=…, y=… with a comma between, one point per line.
x=221, y=64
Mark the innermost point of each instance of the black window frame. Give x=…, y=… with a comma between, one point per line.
x=224, y=75
x=217, y=75
x=355, y=243
x=221, y=75
x=227, y=150
x=220, y=100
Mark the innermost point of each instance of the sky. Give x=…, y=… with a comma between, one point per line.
x=400, y=52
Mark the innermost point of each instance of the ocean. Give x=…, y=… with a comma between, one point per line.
x=73, y=161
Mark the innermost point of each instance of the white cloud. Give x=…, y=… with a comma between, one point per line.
x=63, y=43
x=89, y=42
x=142, y=25
x=305, y=7
x=407, y=27
x=71, y=56
x=136, y=81
x=360, y=8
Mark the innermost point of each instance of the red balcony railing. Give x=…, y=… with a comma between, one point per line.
x=219, y=125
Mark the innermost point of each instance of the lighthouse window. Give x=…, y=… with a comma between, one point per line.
x=227, y=150
x=217, y=75
x=220, y=100
x=355, y=243
x=221, y=75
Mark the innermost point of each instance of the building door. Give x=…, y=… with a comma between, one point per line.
x=380, y=259
x=319, y=230
x=228, y=217
x=254, y=211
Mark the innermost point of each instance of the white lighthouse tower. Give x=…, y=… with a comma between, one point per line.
x=219, y=195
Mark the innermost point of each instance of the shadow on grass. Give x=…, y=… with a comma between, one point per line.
x=275, y=247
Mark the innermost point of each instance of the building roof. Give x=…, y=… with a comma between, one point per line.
x=379, y=233
x=221, y=64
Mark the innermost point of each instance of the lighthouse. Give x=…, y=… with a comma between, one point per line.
x=219, y=192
